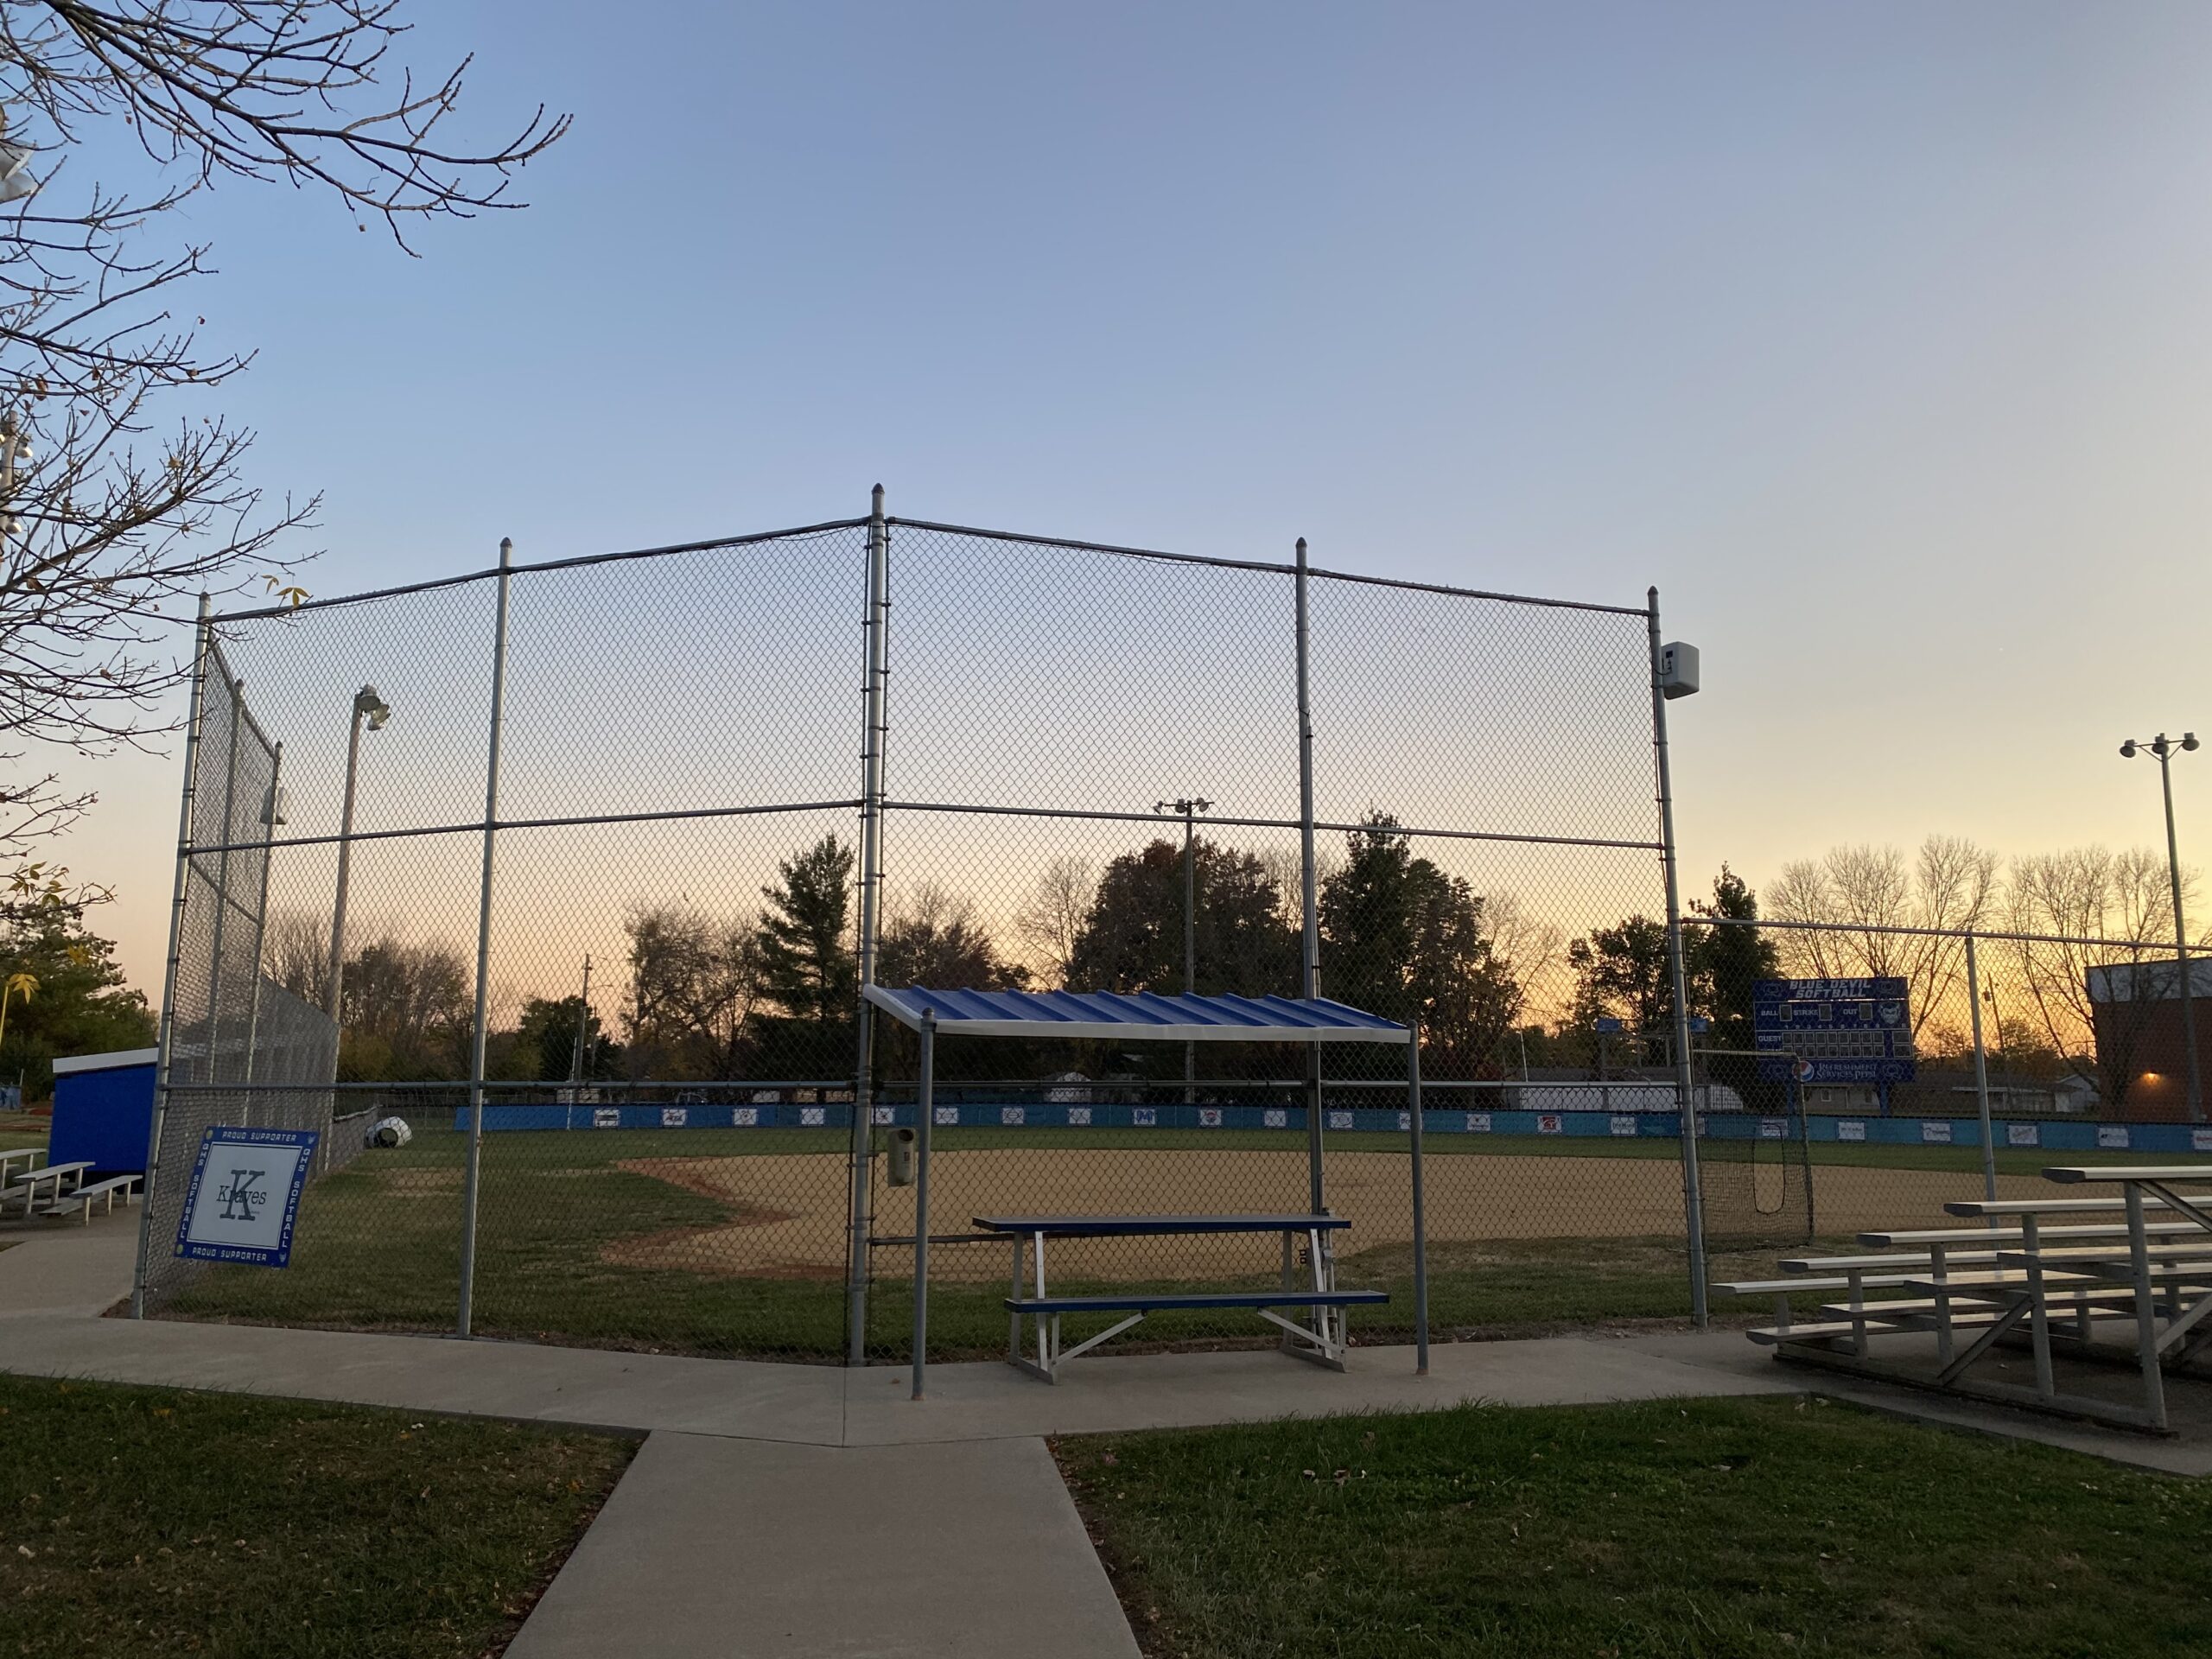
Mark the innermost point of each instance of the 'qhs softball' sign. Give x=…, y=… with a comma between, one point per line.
x=245, y=1195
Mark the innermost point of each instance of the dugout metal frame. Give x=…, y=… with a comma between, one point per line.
x=1148, y=1017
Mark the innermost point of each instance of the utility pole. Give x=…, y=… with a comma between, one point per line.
x=583, y=1024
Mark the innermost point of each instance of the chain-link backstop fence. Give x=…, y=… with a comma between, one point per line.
x=729, y=780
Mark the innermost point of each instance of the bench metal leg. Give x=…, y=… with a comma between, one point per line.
x=2146, y=1310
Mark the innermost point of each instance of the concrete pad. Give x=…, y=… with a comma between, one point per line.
x=715, y=1547
x=1114, y=1393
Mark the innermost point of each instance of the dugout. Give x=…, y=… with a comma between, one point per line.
x=104, y=1111
x=1151, y=1017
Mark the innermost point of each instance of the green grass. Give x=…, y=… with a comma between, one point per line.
x=1714, y=1529
x=149, y=1522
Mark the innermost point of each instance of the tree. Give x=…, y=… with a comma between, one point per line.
x=1870, y=893
x=1402, y=939
x=103, y=524
x=696, y=985
x=808, y=970
x=1622, y=972
x=936, y=939
x=1724, y=963
x=79, y=1006
x=545, y=1041
x=1052, y=918
x=407, y=1013
x=1131, y=939
x=2097, y=910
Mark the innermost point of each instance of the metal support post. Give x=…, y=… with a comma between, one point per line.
x=261, y=943
x=237, y=691
x=923, y=1113
x=1692, y=1196
x=471, y=1182
x=1420, y=1219
x=860, y=1199
x=1309, y=958
x=2181, y=934
x=1981, y=1081
x=165, y=1058
x=583, y=1027
x=1190, y=938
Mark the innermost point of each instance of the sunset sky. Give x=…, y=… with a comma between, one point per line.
x=1878, y=336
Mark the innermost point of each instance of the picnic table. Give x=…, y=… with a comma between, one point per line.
x=61, y=1177
x=1323, y=1339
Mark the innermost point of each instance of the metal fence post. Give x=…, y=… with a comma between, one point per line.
x=861, y=1200
x=1692, y=1196
x=1981, y=1080
x=923, y=1113
x=268, y=819
x=237, y=689
x=1420, y=1216
x=472, y=1180
x=1309, y=957
x=170, y=972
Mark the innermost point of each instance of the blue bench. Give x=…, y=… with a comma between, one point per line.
x=1323, y=1339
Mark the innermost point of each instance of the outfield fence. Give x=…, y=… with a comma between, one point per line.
x=589, y=904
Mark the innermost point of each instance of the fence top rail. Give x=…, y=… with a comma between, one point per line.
x=1959, y=933
x=1268, y=567
x=261, y=613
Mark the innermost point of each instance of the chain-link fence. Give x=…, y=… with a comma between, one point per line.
x=596, y=854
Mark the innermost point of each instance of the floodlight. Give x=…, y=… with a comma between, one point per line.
x=2127, y=750
x=2188, y=739
x=368, y=702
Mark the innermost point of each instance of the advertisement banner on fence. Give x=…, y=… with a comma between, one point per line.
x=2022, y=1134
x=245, y=1195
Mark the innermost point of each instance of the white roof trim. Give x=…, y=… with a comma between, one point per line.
x=115, y=1062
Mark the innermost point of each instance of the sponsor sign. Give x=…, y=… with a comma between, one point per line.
x=803, y=1095
x=1276, y=1118
x=1936, y=1133
x=1144, y=1117
x=2200, y=1140
x=675, y=1117
x=1621, y=1123
x=2022, y=1134
x=1340, y=1119
x=245, y=1195
x=812, y=1117
x=837, y=1094
x=1078, y=1116
x=1550, y=1123
x=1832, y=1030
x=1405, y=1119
x=765, y=1097
x=1773, y=1128
x=1478, y=1122
x=1014, y=1116
x=1850, y=1130
x=2113, y=1137
x=607, y=1117
x=1209, y=1117
x=745, y=1117
x=946, y=1116
x=879, y=1116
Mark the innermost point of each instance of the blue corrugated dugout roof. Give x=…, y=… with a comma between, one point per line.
x=1143, y=1018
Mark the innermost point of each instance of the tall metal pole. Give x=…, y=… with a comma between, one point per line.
x=1981, y=1080
x=1693, y=1195
x=1309, y=955
x=583, y=1024
x=1421, y=1217
x=261, y=934
x=237, y=689
x=337, y=987
x=165, y=1060
x=2165, y=752
x=860, y=1202
x=472, y=1181
x=1190, y=941
x=923, y=1113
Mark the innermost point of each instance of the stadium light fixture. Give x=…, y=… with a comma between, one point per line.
x=2165, y=748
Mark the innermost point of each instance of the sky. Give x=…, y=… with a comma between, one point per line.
x=1877, y=336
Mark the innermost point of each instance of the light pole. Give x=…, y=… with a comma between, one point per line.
x=583, y=1024
x=1188, y=808
x=2163, y=748
x=366, y=705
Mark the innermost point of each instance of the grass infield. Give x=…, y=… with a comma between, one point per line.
x=1714, y=1529
x=150, y=1522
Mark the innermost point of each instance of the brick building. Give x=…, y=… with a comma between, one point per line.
x=2136, y=1010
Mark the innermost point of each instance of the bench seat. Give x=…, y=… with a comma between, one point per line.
x=1141, y=1301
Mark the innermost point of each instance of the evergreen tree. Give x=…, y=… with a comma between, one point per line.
x=808, y=970
x=79, y=1006
x=1131, y=939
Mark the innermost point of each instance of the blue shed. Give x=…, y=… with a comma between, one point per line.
x=104, y=1109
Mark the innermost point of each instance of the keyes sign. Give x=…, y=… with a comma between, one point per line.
x=245, y=1194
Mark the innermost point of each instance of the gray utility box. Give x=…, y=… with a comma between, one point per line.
x=899, y=1152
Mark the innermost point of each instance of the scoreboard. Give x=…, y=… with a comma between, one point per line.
x=1832, y=1030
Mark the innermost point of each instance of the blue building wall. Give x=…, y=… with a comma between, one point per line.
x=104, y=1118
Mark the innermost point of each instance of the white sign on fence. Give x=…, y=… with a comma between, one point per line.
x=245, y=1195
x=2113, y=1137
x=1850, y=1131
x=2022, y=1134
x=1934, y=1132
